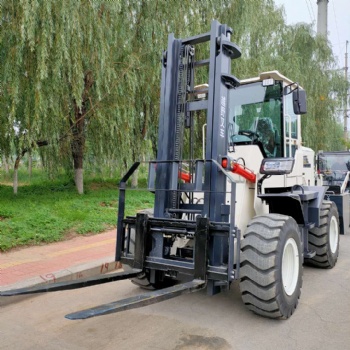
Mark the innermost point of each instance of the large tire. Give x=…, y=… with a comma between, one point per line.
x=325, y=238
x=271, y=266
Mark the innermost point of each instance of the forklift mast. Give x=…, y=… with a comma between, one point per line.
x=177, y=113
x=181, y=107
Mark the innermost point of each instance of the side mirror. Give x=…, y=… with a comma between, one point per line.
x=299, y=101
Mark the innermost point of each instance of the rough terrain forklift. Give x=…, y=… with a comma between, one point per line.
x=234, y=190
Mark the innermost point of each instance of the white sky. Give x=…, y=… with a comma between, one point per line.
x=338, y=21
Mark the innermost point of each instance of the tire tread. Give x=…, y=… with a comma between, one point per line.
x=259, y=270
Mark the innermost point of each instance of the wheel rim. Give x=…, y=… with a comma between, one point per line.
x=290, y=266
x=333, y=234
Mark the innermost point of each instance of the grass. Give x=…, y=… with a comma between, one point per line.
x=44, y=211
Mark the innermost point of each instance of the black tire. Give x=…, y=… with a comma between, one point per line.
x=143, y=281
x=325, y=238
x=271, y=266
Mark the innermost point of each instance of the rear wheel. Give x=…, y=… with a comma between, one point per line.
x=271, y=266
x=325, y=238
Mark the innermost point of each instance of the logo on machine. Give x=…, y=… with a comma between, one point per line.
x=306, y=163
x=222, y=115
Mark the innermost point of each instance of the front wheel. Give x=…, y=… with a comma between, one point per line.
x=271, y=266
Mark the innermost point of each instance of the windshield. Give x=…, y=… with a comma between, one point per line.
x=334, y=167
x=334, y=163
x=255, y=117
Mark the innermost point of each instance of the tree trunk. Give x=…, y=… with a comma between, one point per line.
x=135, y=175
x=77, y=146
x=15, y=172
x=79, y=179
x=135, y=179
x=30, y=163
x=15, y=175
x=6, y=165
x=78, y=132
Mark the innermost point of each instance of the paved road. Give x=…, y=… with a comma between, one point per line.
x=196, y=321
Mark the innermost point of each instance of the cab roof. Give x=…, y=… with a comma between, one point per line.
x=274, y=74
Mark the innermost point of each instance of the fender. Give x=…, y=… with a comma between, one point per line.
x=303, y=203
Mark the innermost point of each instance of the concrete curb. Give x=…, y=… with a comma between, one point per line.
x=94, y=268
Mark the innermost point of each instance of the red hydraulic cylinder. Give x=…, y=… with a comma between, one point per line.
x=239, y=169
x=185, y=176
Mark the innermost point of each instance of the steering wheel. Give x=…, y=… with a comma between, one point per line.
x=251, y=134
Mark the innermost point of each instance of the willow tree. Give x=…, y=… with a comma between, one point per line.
x=268, y=43
x=142, y=53
x=308, y=58
x=58, y=75
x=84, y=76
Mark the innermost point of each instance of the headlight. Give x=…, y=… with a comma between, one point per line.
x=277, y=166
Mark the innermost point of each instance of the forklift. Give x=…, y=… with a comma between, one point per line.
x=234, y=189
x=333, y=171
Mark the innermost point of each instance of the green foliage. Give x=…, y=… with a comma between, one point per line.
x=48, y=47
x=309, y=60
x=51, y=211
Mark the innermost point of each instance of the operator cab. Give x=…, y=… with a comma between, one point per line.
x=265, y=111
x=335, y=168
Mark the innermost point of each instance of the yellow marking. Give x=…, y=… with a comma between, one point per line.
x=14, y=263
x=83, y=247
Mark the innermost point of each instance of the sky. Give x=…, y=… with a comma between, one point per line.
x=338, y=21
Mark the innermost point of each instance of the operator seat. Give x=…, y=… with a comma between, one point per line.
x=267, y=136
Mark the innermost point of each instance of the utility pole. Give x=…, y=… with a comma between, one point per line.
x=322, y=13
x=346, y=94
